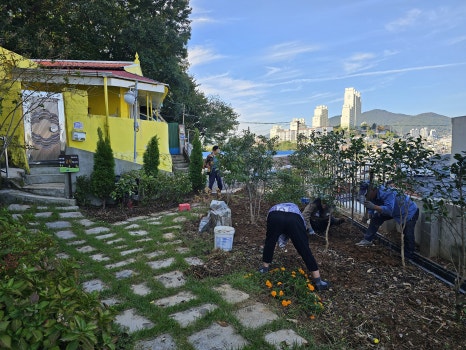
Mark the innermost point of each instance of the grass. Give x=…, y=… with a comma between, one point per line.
x=121, y=289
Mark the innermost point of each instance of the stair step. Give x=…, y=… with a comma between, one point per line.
x=37, y=170
x=44, y=178
x=52, y=189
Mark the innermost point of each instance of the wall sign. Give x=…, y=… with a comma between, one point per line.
x=69, y=163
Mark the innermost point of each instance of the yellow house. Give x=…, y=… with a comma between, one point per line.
x=53, y=108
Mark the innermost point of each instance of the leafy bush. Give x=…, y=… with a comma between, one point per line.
x=83, y=190
x=168, y=188
x=286, y=186
x=126, y=187
x=41, y=303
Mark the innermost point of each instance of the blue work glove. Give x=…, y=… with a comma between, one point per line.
x=369, y=205
x=311, y=231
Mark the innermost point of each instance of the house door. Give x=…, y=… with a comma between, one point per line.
x=44, y=126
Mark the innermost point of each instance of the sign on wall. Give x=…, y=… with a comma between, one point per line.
x=69, y=163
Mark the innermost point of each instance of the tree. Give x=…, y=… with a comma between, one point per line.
x=151, y=157
x=248, y=159
x=196, y=162
x=103, y=174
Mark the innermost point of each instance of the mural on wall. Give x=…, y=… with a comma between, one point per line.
x=44, y=126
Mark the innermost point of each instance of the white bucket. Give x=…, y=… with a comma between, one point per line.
x=224, y=237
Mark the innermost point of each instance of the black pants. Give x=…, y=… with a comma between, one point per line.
x=292, y=225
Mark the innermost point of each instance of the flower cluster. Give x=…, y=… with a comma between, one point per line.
x=294, y=287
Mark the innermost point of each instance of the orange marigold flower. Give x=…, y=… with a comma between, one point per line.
x=274, y=293
x=312, y=317
x=301, y=271
x=281, y=293
x=310, y=286
x=268, y=284
x=282, y=268
x=279, y=283
x=285, y=303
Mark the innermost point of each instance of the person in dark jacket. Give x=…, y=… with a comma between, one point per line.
x=386, y=203
x=316, y=215
x=286, y=218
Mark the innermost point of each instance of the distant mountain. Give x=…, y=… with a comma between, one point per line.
x=402, y=123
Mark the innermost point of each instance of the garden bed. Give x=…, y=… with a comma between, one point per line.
x=371, y=293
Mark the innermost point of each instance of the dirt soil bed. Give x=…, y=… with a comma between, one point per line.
x=371, y=293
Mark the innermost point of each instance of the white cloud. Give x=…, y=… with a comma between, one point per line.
x=201, y=55
x=411, y=18
x=358, y=62
x=288, y=50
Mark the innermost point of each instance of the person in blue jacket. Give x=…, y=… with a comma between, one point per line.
x=286, y=218
x=385, y=203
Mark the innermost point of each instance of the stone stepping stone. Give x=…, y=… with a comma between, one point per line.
x=18, y=207
x=111, y=301
x=194, y=261
x=97, y=230
x=178, y=241
x=120, y=264
x=86, y=222
x=131, y=251
x=185, y=318
x=140, y=289
x=65, y=234
x=217, y=337
x=82, y=241
x=70, y=215
x=285, y=338
x=45, y=214
x=255, y=315
x=180, y=219
x=94, y=285
x=115, y=241
x=172, y=279
x=17, y=217
x=68, y=208
x=137, y=218
x=104, y=237
x=132, y=226
x=161, y=263
x=168, y=236
x=172, y=228
x=99, y=257
x=154, y=254
x=125, y=274
x=120, y=223
x=155, y=221
x=162, y=342
x=182, y=250
x=86, y=249
x=231, y=295
x=144, y=240
x=63, y=256
x=138, y=233
x=181, y=297
x=132, y=321
x=58, y=224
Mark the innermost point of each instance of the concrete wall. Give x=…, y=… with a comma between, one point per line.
x=458, y=136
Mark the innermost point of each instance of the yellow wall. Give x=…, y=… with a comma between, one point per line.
x=121, y=131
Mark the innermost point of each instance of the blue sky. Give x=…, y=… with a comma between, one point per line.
x=276, y=60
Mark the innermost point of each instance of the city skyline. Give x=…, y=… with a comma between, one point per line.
x=273, y=62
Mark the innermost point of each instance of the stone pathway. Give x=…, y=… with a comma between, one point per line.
x=250, y=314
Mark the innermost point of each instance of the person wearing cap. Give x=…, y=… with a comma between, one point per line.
x=385, y=203
x=317, y=213
x=286, y=218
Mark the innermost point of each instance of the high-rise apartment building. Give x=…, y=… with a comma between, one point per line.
x=351, y=111
x=320, y=118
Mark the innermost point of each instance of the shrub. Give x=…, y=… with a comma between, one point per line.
x=151, y=157
x=83, y=190
x=41, y=304
x=126, y=187
x=196, y=162
x=165, y=188
x=286, y=186
x=103, y=174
